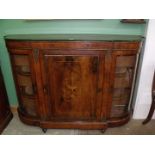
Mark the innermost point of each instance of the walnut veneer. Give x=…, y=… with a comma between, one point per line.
x=74, y=84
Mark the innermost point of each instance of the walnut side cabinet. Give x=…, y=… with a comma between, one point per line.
x=5, y=112
x=82, y=84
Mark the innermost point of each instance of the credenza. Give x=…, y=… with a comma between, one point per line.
x=74, y=80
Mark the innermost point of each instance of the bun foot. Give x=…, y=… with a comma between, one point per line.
x=44, y=130
x=103, y=131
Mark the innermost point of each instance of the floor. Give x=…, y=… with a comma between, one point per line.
x=134, y=127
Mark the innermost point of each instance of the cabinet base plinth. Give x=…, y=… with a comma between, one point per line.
x=113, y=122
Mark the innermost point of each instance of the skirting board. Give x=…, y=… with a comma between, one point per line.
x=14, y=109
x=141, y=111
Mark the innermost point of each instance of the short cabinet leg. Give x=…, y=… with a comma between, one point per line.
x=44, y=130
x=103, y=130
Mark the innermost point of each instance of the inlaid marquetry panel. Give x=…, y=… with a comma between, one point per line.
x=73, y=82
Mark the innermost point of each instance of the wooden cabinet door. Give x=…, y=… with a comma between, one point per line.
x=73, y=84
x=122, y=73
x=25, y=79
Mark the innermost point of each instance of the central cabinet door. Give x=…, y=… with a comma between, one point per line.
x=72, y=85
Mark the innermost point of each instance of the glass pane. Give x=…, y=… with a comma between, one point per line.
x=22, y=64
x=122, y=85
x=29, y=106
x=24, y=82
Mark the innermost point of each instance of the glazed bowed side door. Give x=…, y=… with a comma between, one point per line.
x=122, y=75
x=25, y=79
x=73, y=84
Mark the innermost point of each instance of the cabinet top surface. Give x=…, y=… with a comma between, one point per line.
x=76, y=37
